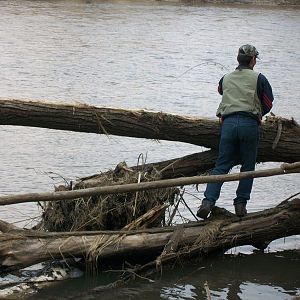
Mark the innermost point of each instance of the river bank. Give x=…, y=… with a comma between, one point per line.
x=282, y=3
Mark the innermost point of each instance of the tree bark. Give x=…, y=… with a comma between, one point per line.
x=21, y=248
x=278, y=143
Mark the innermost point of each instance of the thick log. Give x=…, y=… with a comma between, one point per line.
x=189, y=165
x=158, y=184
x=280, y=141
x=19, y=248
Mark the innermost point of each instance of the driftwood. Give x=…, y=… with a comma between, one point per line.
x=189, y=165
x=158, y=184
x=280, y=138
x=280, y=141
x=21, y=248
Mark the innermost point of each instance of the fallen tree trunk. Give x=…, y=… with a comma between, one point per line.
x=189, y=165
x=280, y=139
x=21, y=248
x=158, y=184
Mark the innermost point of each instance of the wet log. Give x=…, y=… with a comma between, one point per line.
x=21, y=248
x=152, y=185
x=280, y=138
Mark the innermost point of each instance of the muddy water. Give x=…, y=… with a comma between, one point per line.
x=154, y=55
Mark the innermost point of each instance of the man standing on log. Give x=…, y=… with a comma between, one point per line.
x=246, y=97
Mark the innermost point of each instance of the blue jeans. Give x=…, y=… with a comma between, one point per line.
x=238, y=144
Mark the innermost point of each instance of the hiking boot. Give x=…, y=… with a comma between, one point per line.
x=240, y=209
x=204, y=209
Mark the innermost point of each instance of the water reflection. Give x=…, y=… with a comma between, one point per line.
x=243, y=277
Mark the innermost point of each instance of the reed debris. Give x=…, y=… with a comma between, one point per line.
x=107, y=212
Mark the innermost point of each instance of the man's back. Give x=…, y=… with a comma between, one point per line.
x=240, y=93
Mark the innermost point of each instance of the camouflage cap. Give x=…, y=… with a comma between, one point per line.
x=248, y=50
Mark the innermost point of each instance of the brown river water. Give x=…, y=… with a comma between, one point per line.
x=161, y=56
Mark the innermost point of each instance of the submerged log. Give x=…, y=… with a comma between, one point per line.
x=22, y=248
x=280, y=138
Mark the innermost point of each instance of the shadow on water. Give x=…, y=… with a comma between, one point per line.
x=255, y=276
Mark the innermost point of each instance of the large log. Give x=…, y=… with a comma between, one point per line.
x=280, y=141
x=21, y=248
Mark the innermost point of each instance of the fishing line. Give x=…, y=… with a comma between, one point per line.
x=223, y=67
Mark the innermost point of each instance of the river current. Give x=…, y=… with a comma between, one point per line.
x=161, y=56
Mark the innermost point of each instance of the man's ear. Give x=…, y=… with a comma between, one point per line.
x=253, y=62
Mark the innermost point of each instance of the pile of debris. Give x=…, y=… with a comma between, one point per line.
x=107, y=212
